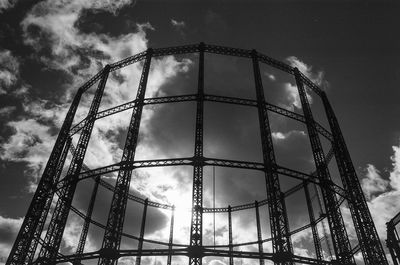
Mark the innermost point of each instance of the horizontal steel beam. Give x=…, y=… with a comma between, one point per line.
x=192, y=97
x=204, y=252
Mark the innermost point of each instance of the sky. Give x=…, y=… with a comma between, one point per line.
x=49, y=48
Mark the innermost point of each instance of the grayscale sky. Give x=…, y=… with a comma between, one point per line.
x=49, y=48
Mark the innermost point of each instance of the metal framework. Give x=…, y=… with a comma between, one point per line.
x=25, y=249
x=393, y=239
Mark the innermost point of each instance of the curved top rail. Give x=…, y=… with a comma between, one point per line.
x=210, y=48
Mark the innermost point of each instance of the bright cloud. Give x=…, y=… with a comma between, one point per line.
x=282, y=136
x=316, y=77
x=384, y=204
x=270, y=76
x=6, y=4
x=291, y=91
x=6, y=111
x=8, y=231
x=9, y=71
x=178, y=24
x=373, y=182
x=31, y=143
x=32, y=138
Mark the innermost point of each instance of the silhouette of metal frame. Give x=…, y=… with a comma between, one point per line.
x=28, y=239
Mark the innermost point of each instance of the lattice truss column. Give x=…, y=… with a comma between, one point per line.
x=25, y=245
x=281, y=243
x=340, y=239
x=370, y=244
x=52, y=241
x=116, y=216
x=196, y=225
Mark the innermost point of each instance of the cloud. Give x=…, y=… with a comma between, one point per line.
x=6, y=4
x=270, y=76
x=383, y=205
x=283, y=136
x=318, y=77
x=178, y=24
x=291, y=92
x=56, y=28
x=395, y=173
x=71, y=49
x=373, y=182
x=9, y=71
x=8, y=231
x=216, y=262
x=6, y=111
x=31, y=143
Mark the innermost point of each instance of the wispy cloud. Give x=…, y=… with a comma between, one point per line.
x=6, y=111
x=270, y=76
x=8, y=231
x=31, y=143
x=6, y=4
x=292, y=94
x=372, y=182
x=9, y=71
x=278, y=136
x=317, y=77
x=383, y=193
x=178, y=24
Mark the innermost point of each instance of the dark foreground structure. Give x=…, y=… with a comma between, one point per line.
x=31, y=247
x=393, y=239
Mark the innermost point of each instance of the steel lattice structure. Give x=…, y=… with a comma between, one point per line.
x=393, y=239
x=26, y=251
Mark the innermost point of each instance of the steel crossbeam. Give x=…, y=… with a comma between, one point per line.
x=187, y=252
x=128, y=61
x=213, y=98
x=193, y=48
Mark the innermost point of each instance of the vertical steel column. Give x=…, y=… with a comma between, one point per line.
x=281, y=243
x=230, y=234
x=171, y=236
x=85, y=228
x=141, y=236
x=325, y=231
x=393, y=243
x=368, y=238
x=49, y=200
x=116, y=215
x=39, y=207
x=259, y=235
x=196, y=227
x=317, y=243
x=338, y=231
x=53, y=238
